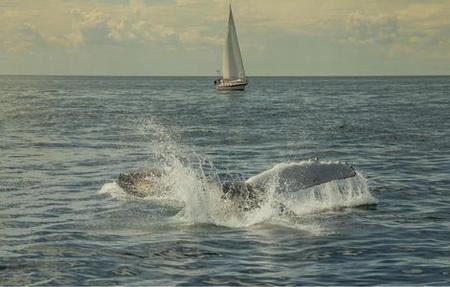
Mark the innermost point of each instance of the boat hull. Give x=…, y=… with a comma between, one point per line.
x=230, y=86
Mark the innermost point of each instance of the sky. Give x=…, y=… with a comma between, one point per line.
x=185, y=37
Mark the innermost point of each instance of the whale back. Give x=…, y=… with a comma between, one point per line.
x=291, y=177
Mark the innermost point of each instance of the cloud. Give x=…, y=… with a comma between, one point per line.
x=420, y=30
x=26, y=38
x=139, y=25
x=91, y=27
x=381, y=29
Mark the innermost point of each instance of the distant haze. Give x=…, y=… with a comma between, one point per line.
x=184, y=37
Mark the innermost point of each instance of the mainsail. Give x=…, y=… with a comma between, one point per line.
x=233, y=68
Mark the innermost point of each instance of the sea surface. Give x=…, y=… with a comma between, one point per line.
x=65, y=140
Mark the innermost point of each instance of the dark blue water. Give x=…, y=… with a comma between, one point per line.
x=64, y=140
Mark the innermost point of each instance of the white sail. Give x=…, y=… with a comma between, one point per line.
x=233, y=68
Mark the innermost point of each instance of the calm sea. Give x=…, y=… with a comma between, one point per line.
x=65, y=140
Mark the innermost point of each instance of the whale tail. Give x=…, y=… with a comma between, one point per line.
x=292, y=177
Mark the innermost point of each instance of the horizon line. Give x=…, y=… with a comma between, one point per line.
x=211, y=76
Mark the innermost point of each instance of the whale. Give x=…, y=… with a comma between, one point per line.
x=291, y=177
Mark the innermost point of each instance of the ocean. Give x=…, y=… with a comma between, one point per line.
x=64, y=140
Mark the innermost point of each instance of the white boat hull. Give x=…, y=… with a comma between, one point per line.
x=238, y=85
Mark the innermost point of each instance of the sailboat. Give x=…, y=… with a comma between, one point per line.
x=233, y=77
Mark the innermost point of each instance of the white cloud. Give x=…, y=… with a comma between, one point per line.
x=419, y=30
x=136, y=25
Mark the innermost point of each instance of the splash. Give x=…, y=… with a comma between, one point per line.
x=186, y=181
x=311, y=186
x=334, y=195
